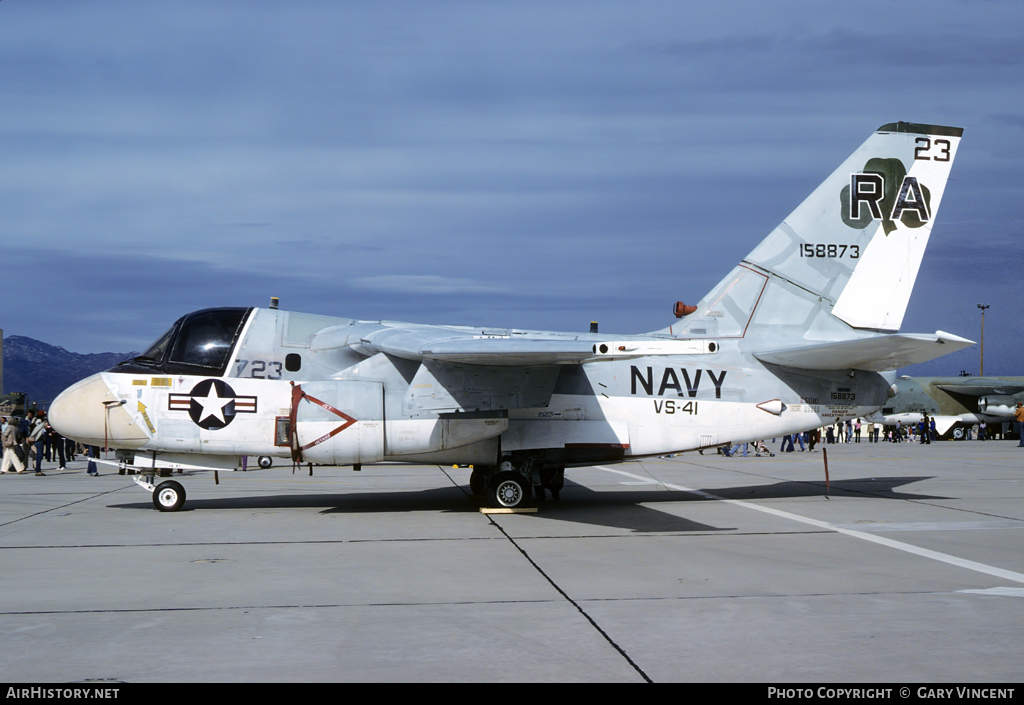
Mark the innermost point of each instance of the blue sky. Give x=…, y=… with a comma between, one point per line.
x=524, y=164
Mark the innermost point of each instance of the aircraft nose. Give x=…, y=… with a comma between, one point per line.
x=90, y=413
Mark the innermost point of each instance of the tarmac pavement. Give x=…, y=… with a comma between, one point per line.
x=695, y=568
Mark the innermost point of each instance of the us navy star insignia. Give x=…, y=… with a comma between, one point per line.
x=212, y=404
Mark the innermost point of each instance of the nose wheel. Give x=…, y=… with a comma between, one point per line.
x=169, y=496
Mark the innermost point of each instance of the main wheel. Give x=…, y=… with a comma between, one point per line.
x=169, y=496
x=508, y=490
x=265, y=461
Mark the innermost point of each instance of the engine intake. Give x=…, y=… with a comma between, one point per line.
x=997, y=405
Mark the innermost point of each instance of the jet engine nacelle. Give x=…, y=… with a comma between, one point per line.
x=997, y=405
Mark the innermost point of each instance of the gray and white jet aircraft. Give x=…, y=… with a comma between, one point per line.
x=802, y=332
x=954, y=403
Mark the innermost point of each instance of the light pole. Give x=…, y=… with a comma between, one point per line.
x=981, y=372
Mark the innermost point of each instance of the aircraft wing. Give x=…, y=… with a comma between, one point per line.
x=445, y=345
x=877, y=354
x=498, y=348
x=978, y=388
x=505, y=352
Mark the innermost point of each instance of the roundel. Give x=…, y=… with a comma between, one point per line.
x=212, y=404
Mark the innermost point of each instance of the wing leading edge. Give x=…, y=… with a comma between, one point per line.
x=500, y=348
x=480, y=348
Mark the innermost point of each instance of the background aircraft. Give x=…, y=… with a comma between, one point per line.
x=801, y=333
x=954, y=402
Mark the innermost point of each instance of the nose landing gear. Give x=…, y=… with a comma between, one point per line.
x=168, y=496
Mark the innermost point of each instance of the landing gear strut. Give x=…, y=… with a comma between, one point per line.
x=551, y=479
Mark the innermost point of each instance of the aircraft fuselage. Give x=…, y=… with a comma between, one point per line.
x=349, y=405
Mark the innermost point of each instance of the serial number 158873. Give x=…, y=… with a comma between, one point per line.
x=833, y=251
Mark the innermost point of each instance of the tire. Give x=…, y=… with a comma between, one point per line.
x=169, y=496
x=508, y=490
x=265, y=461
x=478, y=481
x=553, y=479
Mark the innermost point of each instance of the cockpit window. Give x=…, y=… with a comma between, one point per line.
x=158, y=349
x=205, y=338
x=199, y=343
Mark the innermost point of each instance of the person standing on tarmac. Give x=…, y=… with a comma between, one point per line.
x=56, y=444
x=12, y=440
x=37, y=438
x=1018, y=421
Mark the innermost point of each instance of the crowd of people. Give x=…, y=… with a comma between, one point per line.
x=28, y=441
x=853, y=430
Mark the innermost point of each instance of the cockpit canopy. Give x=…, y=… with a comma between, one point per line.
x=198, y=343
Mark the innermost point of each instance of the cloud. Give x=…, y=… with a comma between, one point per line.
x=530, y=165
x=430, y=285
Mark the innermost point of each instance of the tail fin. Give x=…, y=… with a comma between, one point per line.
x=851, y=251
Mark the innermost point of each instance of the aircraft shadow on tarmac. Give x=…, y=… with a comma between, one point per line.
x=626, y=508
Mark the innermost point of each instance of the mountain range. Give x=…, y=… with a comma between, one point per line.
x=43, y=371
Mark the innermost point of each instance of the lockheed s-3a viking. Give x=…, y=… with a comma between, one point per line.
x=802, y=332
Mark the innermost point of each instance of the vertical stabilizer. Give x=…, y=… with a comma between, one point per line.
x=852, y=248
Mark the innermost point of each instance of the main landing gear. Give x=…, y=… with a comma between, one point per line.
x=512, y=484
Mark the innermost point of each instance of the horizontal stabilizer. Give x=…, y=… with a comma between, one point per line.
x=875, y=354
